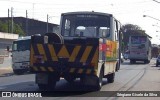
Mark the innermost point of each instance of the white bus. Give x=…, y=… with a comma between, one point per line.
x=21, y=55
x=139, y=49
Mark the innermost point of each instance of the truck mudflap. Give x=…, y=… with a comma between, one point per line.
x=64, y=58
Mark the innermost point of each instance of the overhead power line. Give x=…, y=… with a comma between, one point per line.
x=156, y=1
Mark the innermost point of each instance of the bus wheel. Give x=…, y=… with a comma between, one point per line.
x=110, y=78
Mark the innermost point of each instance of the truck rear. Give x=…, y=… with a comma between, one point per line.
x=85, y=49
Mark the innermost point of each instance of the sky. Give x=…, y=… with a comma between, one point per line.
x=126, y=11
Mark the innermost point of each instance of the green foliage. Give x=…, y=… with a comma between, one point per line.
x=16, y=28
x=3, y=27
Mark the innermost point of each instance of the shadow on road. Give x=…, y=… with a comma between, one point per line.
x=63, y=89
x=74, y=89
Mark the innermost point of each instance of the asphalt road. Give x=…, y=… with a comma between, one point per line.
x=135, y=77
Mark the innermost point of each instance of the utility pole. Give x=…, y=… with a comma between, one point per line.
x=33, y=11
x=26, y=23
x=12, y=20
x=8, y=22
x=47, y=22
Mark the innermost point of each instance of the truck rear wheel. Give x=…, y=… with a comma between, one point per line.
x=132, y=61
x=111, y=77
x=50, y=86
x=69, y=78
x=47, y=87
x=18, y=72
x=100, y=80
x=117, y=66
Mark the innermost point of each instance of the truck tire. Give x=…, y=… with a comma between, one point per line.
x=47, y=87
x=100, y=80
x=50, y=86
x=42, y=86
x=69, y=78
x=110, y=77
x=145, y=61
x=132, y=61
x=117, y=66
x=18, y=72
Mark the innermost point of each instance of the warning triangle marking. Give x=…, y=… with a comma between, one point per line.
x=63, y=52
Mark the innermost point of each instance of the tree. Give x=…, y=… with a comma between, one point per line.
x=16, y=30
x=3, y=27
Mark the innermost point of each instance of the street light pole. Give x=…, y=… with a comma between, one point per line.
x=26, y=23
x=151, y=17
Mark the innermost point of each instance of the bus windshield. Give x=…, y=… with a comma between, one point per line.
x=21, y=45
x=138, y=39
x=86, y=25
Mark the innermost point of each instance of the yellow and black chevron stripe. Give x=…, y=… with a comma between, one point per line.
x=87, y=71
x=42, y=68
x=72, y=56
x=82, y=71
